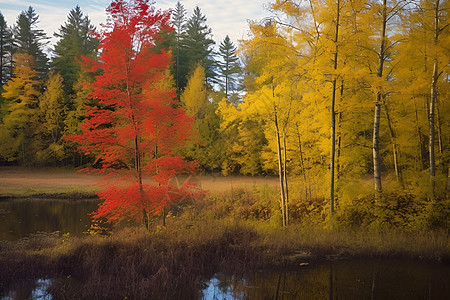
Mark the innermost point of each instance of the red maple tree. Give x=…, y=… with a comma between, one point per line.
x=136, y=125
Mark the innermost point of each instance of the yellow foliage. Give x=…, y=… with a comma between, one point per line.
x=22, y=112
x=194, y=95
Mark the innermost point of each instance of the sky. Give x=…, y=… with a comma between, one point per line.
x=224, y=17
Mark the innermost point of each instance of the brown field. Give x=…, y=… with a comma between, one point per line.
x=40, y=181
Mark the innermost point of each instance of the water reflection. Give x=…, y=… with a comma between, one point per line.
x=351, y=279
x=360, y=279
x=222, y=289
x=32, y=289
x=21, y=217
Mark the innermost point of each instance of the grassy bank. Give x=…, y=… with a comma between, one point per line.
x=52, y=183
x=18, y=182
x=62, y=193
x=137, y=263
x=234, y=229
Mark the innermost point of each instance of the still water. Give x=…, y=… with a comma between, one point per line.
x=349, y=279
x=22, y=217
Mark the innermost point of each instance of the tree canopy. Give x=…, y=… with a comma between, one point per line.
x=326, y=95
x=136, y=125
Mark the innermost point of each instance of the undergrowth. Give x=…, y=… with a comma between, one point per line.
x=233, y=232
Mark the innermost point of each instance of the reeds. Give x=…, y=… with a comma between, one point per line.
x=234, y=232
x=137, y=263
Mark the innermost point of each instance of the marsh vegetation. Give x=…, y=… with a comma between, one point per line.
x=233, y=232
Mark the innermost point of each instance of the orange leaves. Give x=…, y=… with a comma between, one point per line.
x=129, y=108
x=166, y=167
x=134, y=123
x=128, y=202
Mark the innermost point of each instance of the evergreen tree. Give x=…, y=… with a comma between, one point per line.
x=229, y=67
x=5, y=50
x=198, y=45
x=31, y=40
x=74, y=40
x=179, y=23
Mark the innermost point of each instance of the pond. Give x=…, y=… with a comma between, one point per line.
x=22, y=217
x=349, y=279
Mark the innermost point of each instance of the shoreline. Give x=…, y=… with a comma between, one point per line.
x=55, y=196
x=184, y=252
x=235, y=231
x=19, y=182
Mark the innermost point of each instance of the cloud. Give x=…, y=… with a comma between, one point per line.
x=225, y=17
x=228, y=17
x=52, y=14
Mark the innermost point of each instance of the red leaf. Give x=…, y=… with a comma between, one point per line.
x=134, y=124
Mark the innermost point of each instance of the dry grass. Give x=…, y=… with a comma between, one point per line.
x=235, y=229
x=136, y=263
x=21, y=182
x=131, y=263
x=340, y=244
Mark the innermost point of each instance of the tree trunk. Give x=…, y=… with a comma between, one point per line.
x=286, y=210
x=333, y=146
x=164, y=216
x=137, y=162
x=376, y=148
x=377, y=111
x=431, y=120
x=145, y=221
x=332, y=111
x=280, y=169
x=302, y=164
x=177, y=80
x=433, y=98
x=421, y=156
x=338, y=151
x=394, y=143
x=432, y=131
x=439, y=130
x=226, y=86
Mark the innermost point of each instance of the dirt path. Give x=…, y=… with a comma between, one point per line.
x=14, y=180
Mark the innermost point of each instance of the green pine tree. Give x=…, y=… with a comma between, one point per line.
x=74, y=41
x=5, y=51
x=198, y=45
x=179, y=23
x=31, y=40
x=229, y=67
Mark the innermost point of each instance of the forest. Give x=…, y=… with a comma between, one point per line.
x=346, y=102
x=308, y=161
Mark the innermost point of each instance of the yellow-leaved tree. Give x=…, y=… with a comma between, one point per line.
x=52, y=117
x=271, y=99
x=18, y=132
x=200, y=104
